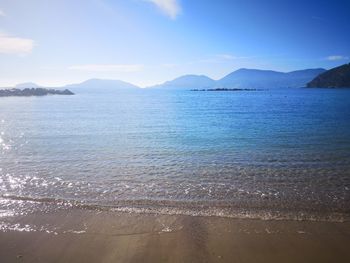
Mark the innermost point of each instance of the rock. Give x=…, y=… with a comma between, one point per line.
x=33, y=92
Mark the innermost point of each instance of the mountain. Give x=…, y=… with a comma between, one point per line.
x=245, y=79
x=255, y=78
x=300, y=78
x=252, y=78
x=26, y=85
x=102, y=84
x=188, y=82
x=338, y=77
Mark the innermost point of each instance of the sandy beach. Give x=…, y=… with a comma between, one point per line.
x=79, y=235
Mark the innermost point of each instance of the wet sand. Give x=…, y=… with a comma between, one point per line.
x=79, y=235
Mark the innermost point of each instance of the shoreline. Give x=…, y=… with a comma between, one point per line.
x=80, y=235
x=221, y=209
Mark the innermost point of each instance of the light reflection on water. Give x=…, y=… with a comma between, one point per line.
x=271, y=152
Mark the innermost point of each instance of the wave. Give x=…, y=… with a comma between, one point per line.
x=188, y=208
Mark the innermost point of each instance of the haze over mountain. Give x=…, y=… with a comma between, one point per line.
x=338, y=77
x=189, y=82
x=241, y=78
x=27, y=85
x=253, y=78
x=246, y=78
x=103, y=83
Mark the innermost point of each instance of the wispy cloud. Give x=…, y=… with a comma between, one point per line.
x=2, y=13
x=230, y=57
x=170, y=65
x=220, y=58
x=15, y=45
x=107, y=67
x=226, y=56
x=171, y=8
x=337, y=57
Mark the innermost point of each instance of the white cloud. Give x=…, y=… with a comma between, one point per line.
x=226, y=56
x=2, y=13
x=107, y=67
x=336, y=57
x=170, y=8
x=15, y=45
x=170, y=65
x=220, y=58
x=231, y=57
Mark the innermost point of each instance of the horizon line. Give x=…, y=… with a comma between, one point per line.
x=160, y=83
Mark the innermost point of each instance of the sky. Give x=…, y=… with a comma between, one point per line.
x=146, y=42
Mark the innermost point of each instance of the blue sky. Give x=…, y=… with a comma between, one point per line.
x=146, y=42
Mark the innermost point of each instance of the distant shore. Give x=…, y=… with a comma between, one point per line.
x=78, y=235
x=226, y=89
x=32, y=92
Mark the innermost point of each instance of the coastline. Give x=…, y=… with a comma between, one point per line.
x=80, y=235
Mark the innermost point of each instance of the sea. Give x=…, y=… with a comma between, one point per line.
x=274, y=154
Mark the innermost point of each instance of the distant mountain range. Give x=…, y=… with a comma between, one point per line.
x=27, y=85
x=338, y=77
x=103, y=83
x=189, y=82
x=239, y=79
x=252, y=78
x=246, y=78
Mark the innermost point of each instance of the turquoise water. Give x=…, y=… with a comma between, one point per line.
x=257, y=154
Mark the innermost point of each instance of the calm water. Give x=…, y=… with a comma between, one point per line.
x=263, y=154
